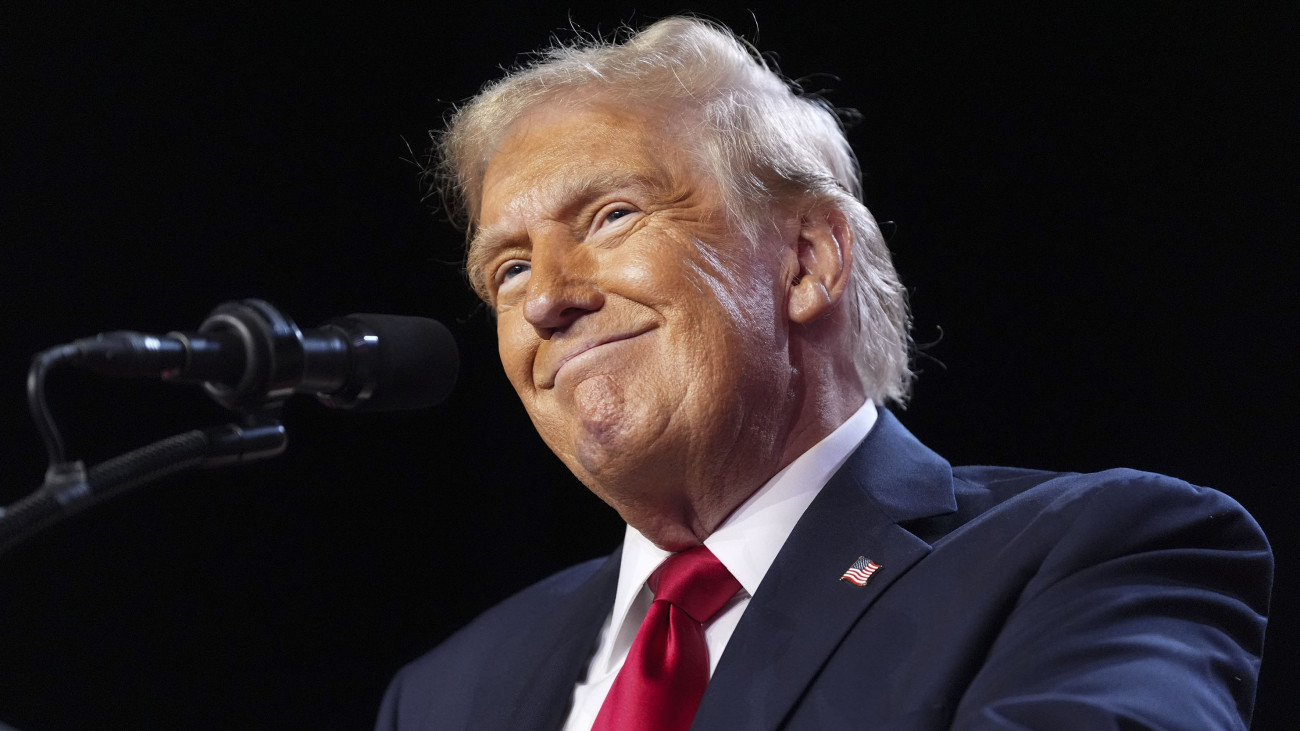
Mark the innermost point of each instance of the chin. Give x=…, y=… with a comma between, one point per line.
x=611, y=431
x=625, y=465
x=610, y=460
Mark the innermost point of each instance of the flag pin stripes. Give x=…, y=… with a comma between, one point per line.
x=860, y=571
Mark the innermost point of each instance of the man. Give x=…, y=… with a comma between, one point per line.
x=703, y=322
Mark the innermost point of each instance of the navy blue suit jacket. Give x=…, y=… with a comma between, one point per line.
x=1006, y=599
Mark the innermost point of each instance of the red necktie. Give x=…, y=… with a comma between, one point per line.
x=663, y=679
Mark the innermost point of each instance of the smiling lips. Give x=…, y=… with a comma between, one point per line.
x=569, y=354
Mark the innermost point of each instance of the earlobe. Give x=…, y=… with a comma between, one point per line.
x=825, y=256
x=809, y=300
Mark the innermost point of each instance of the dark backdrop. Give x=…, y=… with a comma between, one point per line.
x=1093, y=207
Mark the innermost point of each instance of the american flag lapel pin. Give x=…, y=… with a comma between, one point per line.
x=860, y=572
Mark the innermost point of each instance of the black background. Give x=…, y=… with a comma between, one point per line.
x=1094, y=215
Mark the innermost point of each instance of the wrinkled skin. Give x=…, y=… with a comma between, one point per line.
x=671, y=365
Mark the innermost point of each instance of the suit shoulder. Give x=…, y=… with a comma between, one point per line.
x=503, y=623
x=440, y=684
x=1109, y=560
x=1111, y=511
x=985, y=487
x=1004, y=483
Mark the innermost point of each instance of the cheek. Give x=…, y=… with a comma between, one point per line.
x=672, y=270
x=516, y=345
x=738, y=290
x=645, y=276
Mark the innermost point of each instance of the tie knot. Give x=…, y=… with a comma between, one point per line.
x=694, y=581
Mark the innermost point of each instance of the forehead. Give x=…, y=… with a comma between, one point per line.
x=558, y=152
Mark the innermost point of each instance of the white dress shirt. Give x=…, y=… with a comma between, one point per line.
x=746, y=543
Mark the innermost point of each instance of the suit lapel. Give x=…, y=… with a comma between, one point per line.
x=802, y=610
x=543, y=681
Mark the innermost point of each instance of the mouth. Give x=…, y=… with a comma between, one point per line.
x=581, y=352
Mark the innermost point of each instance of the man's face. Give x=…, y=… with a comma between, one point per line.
x=647, y=341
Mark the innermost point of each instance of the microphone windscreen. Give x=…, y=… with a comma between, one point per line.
x=418, y=362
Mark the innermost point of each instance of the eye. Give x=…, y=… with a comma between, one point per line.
x=511, y=270
x=612, y=215
x=509, y=276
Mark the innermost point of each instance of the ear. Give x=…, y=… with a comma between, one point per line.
x=824, y=253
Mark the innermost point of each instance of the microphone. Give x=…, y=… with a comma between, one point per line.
x=249, y=356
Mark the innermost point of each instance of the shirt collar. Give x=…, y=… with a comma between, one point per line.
x=749, y=539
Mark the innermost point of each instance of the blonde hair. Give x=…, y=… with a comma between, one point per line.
x=758, y=138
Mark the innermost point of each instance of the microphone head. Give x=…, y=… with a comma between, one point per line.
x=412, y=362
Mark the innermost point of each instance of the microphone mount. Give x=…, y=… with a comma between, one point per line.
x=274, y=354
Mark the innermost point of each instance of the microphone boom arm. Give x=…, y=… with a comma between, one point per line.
x=69, y=487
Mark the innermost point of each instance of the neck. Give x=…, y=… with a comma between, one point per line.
x=682, y=519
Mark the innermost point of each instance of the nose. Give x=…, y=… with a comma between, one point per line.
x=562, y=286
